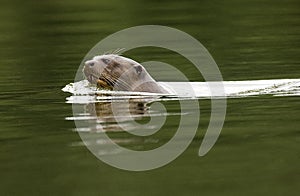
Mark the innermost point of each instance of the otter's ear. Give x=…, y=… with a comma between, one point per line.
x=138, y=69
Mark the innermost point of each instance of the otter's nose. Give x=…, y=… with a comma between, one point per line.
x=89, y=63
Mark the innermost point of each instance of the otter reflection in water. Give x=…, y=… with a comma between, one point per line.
x=115, y=115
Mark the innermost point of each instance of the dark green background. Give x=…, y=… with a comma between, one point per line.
x=42, y=44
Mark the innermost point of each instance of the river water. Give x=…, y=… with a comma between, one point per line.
x=256, y=46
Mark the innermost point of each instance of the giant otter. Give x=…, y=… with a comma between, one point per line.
x=119, y=73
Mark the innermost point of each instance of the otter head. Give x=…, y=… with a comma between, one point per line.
x=119, y=73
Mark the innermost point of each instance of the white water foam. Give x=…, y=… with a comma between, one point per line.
x=233, y=89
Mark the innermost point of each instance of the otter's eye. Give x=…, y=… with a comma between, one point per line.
x=106, y=61
x=138, y=69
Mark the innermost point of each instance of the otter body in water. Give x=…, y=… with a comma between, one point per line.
x=119, y=73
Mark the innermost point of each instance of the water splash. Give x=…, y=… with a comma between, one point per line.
x=233, y=89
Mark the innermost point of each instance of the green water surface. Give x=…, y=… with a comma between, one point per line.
x=42, y=44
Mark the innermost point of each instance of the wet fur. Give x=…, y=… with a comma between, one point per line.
x=115, y=72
